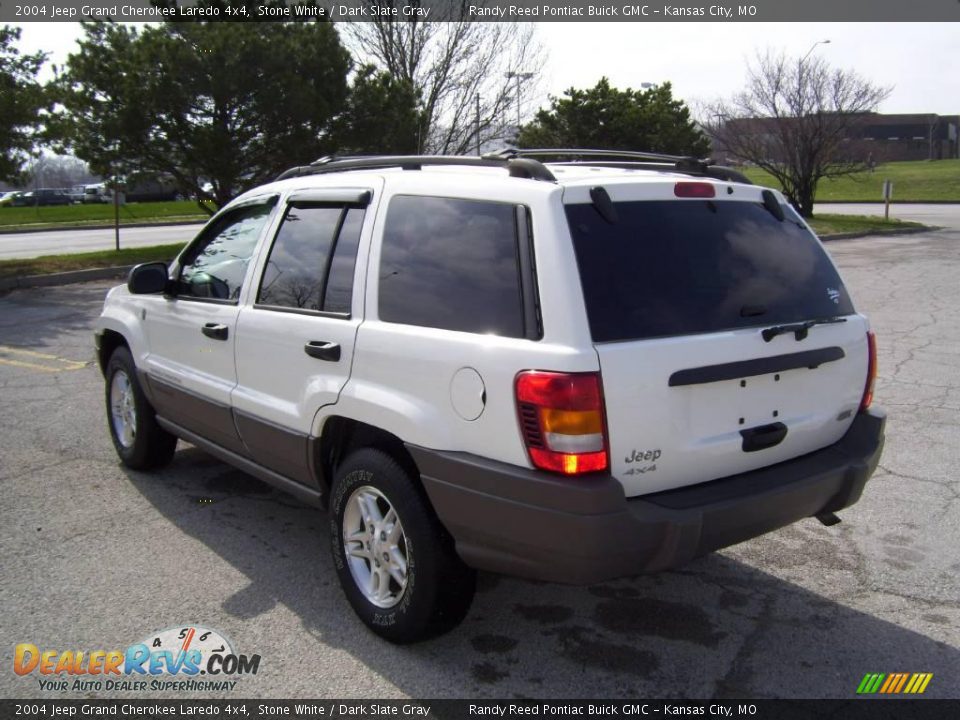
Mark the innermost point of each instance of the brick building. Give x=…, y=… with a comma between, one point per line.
x=912, y=137
x=880, y=137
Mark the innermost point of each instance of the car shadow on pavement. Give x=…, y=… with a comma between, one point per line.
x=720, y=627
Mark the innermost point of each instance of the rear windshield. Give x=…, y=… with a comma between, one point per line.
x=698, y=266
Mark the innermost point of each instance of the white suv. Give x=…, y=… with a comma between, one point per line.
x=569, y=371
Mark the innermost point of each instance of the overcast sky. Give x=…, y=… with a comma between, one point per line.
x=706, y=60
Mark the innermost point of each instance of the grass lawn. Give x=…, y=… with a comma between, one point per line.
x=32, y=217
x=920, y=180
x=83, y=261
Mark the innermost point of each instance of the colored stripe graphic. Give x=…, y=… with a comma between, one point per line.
x=894, y=683
x=870, y=683
x=903, y=680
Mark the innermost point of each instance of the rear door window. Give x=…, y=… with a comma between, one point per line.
x=686, y=267
x=311, y=263
x=451, y=264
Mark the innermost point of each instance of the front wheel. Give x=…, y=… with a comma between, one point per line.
x=139, y=441
x=395, y=561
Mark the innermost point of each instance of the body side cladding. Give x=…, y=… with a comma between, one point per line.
x=306, y=494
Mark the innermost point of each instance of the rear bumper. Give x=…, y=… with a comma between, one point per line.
x=536, y=525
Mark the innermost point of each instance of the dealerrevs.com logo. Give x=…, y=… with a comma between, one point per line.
x=182, y=658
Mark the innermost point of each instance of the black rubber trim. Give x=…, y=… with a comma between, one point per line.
x=532, y=323
x=750, y=368
x=331, y=196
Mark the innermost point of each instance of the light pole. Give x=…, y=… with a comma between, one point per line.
x=812, y=48
x=518, y=76
x=801, y=80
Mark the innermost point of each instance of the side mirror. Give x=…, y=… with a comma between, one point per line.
x=148, y=278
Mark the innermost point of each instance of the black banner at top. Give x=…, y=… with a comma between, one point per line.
x=21, y=11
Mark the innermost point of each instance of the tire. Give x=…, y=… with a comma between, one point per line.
x=139, y=441
x=434, y=592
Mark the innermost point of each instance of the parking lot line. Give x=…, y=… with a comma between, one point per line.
x=59, y=364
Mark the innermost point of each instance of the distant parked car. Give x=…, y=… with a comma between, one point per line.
x=15, y=199
x=7, y=198
x=76, y=193
x=96, y=193
x=100, y=193
x=43, y=196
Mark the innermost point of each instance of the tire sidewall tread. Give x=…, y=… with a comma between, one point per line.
x=428, y=606
x=153, y=446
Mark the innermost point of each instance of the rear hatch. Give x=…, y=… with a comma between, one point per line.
x=688, y=299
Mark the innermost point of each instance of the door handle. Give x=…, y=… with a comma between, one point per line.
x=323, y=350
x=215, y=331
x=763, y=437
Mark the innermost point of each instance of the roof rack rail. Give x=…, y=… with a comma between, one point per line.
x=516, y=166
x=588, y=152
x=629, y=160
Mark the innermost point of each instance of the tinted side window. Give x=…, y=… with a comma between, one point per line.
x=216, y=265
x=300, y=273
x=451, y=264
x=294, y=273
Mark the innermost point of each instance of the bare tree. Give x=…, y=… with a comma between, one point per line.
x=58, y=171
x=799, y=120
x=451, y=64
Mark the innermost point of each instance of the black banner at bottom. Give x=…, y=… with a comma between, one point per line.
x=872, y=709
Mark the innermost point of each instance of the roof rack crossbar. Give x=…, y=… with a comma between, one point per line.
x=517, y=167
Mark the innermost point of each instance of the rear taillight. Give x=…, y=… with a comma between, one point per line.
x=871, y=372
x=694, y=190
x=561, y=418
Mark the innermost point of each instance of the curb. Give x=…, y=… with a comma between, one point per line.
x=111, y=226
x=64, y=278
x=852, y=235
x=893, y=203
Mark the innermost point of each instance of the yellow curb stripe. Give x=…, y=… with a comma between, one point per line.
x=65, y=364
x=24, y=351
x=32, y=366
x=926, y=681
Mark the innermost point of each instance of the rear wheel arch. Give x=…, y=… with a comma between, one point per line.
x=341, y=436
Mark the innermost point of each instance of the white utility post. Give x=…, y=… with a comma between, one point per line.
x=518, y=76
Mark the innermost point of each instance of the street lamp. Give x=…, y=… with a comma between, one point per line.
x=518, y=76
x=812, y=48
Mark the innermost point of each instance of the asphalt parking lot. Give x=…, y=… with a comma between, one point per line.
x=96, y=557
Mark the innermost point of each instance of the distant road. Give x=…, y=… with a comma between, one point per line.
x=53, y=242
x=27, y=245
x=940, y=215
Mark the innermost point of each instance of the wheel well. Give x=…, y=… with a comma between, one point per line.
x=341, y=436
x=110, y=340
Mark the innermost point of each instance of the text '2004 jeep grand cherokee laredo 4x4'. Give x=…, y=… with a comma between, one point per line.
x=570, y=371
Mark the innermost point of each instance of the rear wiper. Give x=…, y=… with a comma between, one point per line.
x=799, y=330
